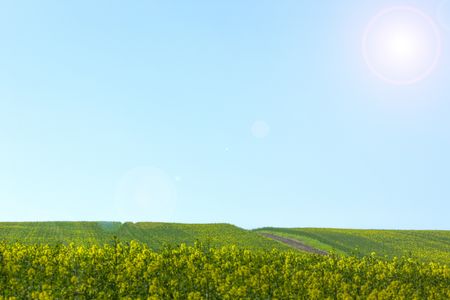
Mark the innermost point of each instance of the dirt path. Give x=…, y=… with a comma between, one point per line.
x=294, y=243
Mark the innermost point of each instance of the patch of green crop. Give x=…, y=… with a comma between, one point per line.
x=425, y=245
x=156, y=235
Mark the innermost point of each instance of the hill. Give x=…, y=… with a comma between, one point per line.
x=425, y=245
x=153, y=234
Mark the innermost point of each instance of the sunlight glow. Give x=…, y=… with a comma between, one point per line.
x=401, y=45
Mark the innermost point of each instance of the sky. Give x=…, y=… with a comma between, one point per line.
x=255, y=113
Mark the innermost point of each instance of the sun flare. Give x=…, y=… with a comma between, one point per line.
x=401, y=45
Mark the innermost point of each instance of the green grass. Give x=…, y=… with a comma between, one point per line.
x=154, y=234
x=426, y=245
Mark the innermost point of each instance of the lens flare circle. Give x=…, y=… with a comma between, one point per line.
x=260, y=129
x=401, y=45
x=145, y=194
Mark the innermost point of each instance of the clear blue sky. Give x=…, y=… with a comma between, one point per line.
x=249, y=112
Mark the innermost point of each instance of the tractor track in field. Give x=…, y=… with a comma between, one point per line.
x=294, y=244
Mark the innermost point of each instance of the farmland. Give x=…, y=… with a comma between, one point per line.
x=155, y=234
x=134, y=271
x=424, y=245
x=112, y=260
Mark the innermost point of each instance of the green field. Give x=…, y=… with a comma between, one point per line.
x=424, y=245
x=154, y=234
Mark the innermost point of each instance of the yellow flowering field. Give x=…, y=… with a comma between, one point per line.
x=132, y=270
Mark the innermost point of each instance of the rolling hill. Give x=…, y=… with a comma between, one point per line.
x=425, y=245
x=154, y=234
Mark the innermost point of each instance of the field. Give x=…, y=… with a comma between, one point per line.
x=423, y=245
x=155, y=235
x=134, y=271
x=111, y=260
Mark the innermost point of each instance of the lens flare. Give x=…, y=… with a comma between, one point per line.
x=401, y=45
x=145, y=193
x=260, y=129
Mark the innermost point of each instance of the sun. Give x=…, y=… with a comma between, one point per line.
x=401, y=45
